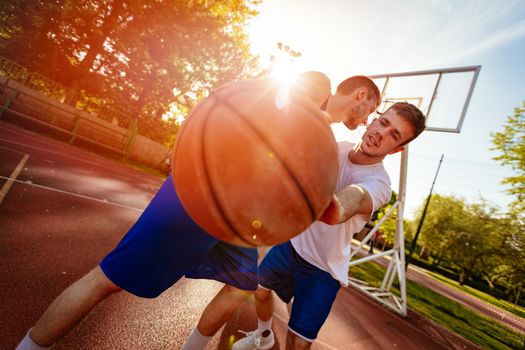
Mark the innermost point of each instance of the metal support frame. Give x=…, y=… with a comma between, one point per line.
x=396, y=266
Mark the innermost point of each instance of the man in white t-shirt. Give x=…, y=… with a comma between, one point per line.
x=312, y=266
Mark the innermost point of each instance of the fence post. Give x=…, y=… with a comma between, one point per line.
x=71, y=97
x=75, y=129
x=129, y=138
x=7, y=101
x=25, y=77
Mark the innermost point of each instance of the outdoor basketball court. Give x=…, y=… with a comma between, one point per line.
x=67, y=208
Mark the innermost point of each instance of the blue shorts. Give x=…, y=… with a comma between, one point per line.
x=165, y=244
x=313, y=289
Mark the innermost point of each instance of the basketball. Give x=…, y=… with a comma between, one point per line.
x=255, y=163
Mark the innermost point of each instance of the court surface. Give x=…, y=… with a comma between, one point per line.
x=67, y=208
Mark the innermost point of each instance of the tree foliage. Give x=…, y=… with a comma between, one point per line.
x=510, y=272
x=148, y=55
x=476, y=240
x=511, y=144
x=388, y=228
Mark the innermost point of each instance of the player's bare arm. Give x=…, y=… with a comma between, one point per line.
x=346, y=203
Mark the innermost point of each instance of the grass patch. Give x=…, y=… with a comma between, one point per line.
x=482, y=331
x=502, y=304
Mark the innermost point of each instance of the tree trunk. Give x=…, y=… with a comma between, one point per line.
x=463, y=276
x=96, y=46
x=489, y=282
x=424, y=253
x=518, y=294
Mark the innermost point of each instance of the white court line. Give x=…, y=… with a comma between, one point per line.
x=12, y=150
x=7, y=186
x=98, y=164
x=105, y=201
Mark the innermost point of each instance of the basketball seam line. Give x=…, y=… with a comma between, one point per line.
x=183, y=129
x=311, y=113
x=208, y=178
x=277, y=155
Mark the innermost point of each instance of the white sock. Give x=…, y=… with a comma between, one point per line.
x=196, y=341
x=264, y=325
x=28, y=344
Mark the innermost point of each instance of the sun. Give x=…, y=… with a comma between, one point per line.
x=285, y=64
x=285, y=73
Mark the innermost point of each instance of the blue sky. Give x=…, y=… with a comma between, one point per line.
x=344, y=38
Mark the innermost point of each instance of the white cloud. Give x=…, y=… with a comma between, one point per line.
x=501, y=37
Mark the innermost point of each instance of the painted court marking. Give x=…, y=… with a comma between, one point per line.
x=12, y=178
x=96, y=162
x=105, y=201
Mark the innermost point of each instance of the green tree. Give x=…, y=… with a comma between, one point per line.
x=510, y=271
x=511, y=144
x=464, y=235
x=388, y=228
x=444, y=217
x=145, y=55
x=26, y=35
x=477, y=241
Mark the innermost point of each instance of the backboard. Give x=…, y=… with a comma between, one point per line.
x=443, y=95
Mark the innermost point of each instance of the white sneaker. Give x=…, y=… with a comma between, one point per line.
x=255, y=341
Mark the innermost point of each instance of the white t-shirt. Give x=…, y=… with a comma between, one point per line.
x=328, y=246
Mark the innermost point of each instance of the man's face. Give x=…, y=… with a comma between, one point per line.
x=385, y=134
x=350, y=110
x=357, y=114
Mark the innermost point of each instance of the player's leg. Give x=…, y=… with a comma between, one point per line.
x=150, y=258
x=274, y=274
x=216, y=314
x=221, y=308
x=71, y=306
x=296, y=342
x=264, y=306
x=237, y=268
x=262, y=337
x=315, y=292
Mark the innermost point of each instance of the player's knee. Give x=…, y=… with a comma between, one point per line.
x=236, y=293
x=263, y=294
x=240, y=293
x=98, y=280
x=295, y=342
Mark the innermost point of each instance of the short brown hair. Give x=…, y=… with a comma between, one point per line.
x=413, y=115
x=347, y=86
x=315, y=85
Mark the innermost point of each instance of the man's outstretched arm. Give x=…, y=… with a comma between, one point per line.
x=346, y=203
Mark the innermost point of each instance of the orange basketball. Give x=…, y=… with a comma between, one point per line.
x=255, y=164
